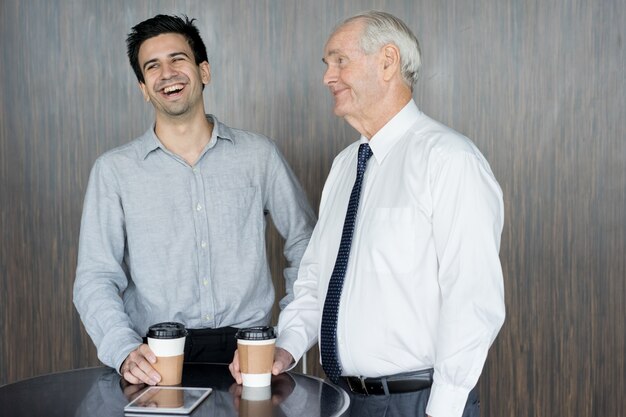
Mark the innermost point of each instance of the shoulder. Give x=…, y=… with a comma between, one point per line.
x=439, y=138
x=254, y=150
x=450, y=154
x=245, y=139
x=126, y=151
x=133, y=150
x=442, y=145
x=122, y=158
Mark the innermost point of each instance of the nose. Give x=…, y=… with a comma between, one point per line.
x=168, y=71
x=330, y=75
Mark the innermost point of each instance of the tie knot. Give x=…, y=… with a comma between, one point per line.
x=365, y=152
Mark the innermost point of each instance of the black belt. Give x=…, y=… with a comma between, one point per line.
x=406, y=382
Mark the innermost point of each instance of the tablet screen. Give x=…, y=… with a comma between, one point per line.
x=168, y=400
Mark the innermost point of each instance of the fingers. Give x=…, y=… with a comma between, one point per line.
x=282, y=361
x=131, y=378
x=147, y=353
x=137, y=367
x=234, y=368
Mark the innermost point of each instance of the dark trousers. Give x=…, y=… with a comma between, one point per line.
x=210, y=345
x=409, y=404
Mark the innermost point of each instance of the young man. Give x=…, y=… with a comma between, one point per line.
x=173, y=225
x=401, y=280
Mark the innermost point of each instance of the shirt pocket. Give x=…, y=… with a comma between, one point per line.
x=391, y=240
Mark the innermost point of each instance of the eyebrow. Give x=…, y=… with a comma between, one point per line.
x=172, y=55
x=329, y=54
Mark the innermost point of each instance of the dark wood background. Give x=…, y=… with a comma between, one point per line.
x=539, y=86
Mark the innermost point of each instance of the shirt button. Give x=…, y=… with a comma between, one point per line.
x=205, y=282
x=199, y=207
x=207, y=317
x=203, y=244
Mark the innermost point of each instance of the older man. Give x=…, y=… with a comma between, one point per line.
x=401, y=281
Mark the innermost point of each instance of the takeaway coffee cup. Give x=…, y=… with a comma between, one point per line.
x=167, y=341
x=256, y=355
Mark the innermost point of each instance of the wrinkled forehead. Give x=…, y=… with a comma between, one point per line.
x=346, y=38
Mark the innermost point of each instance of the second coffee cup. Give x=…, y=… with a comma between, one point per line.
x=167, y=342
x=256, y=355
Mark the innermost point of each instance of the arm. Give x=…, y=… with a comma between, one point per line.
x=100, y=275
x=467, y=224
x=298, y=323
x=292, y=215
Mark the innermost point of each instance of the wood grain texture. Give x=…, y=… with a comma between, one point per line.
x=539, y=86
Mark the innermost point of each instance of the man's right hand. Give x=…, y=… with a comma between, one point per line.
x=137, y=367
x=282, y=361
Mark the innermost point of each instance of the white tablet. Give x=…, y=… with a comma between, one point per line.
x=167, y=400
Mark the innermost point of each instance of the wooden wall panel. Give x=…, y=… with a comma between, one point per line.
x=539, y=86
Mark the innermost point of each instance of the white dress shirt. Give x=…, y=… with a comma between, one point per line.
x=424, y=285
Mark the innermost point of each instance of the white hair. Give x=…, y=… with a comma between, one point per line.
x=382, y=28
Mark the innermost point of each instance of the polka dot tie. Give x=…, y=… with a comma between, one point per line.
x=328, y=337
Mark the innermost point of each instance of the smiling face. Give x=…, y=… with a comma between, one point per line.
x=173, y=80
x=354, y=78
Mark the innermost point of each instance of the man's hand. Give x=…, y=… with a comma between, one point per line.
x=282, y=360
x=137, y=367
x=234, y=368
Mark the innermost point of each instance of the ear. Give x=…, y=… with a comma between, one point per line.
x=205, y=72
x=144, y=91
x=391, y=61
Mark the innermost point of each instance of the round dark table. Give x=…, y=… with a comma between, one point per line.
x=100, y=392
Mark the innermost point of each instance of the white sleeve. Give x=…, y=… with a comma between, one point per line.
x=467, y=225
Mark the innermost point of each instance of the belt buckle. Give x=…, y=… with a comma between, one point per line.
x=363, y=386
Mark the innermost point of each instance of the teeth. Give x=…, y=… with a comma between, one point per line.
x=172, y=88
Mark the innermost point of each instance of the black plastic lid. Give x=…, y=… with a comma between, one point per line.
x=167, y=330
x=256, y=333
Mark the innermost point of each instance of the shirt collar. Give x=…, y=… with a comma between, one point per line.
x=382, y=142
x=150, y=141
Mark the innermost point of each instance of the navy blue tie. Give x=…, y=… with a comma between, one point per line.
x=328, y=336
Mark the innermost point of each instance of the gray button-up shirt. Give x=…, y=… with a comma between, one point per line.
x=165, y=241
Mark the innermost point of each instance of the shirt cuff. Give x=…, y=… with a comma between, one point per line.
x=124, y=352
x=116, y=346
x=446, y=401
x=291, y=342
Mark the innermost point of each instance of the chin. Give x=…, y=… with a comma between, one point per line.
x=339, y=112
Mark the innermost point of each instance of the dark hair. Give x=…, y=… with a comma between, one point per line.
x=159, y=25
